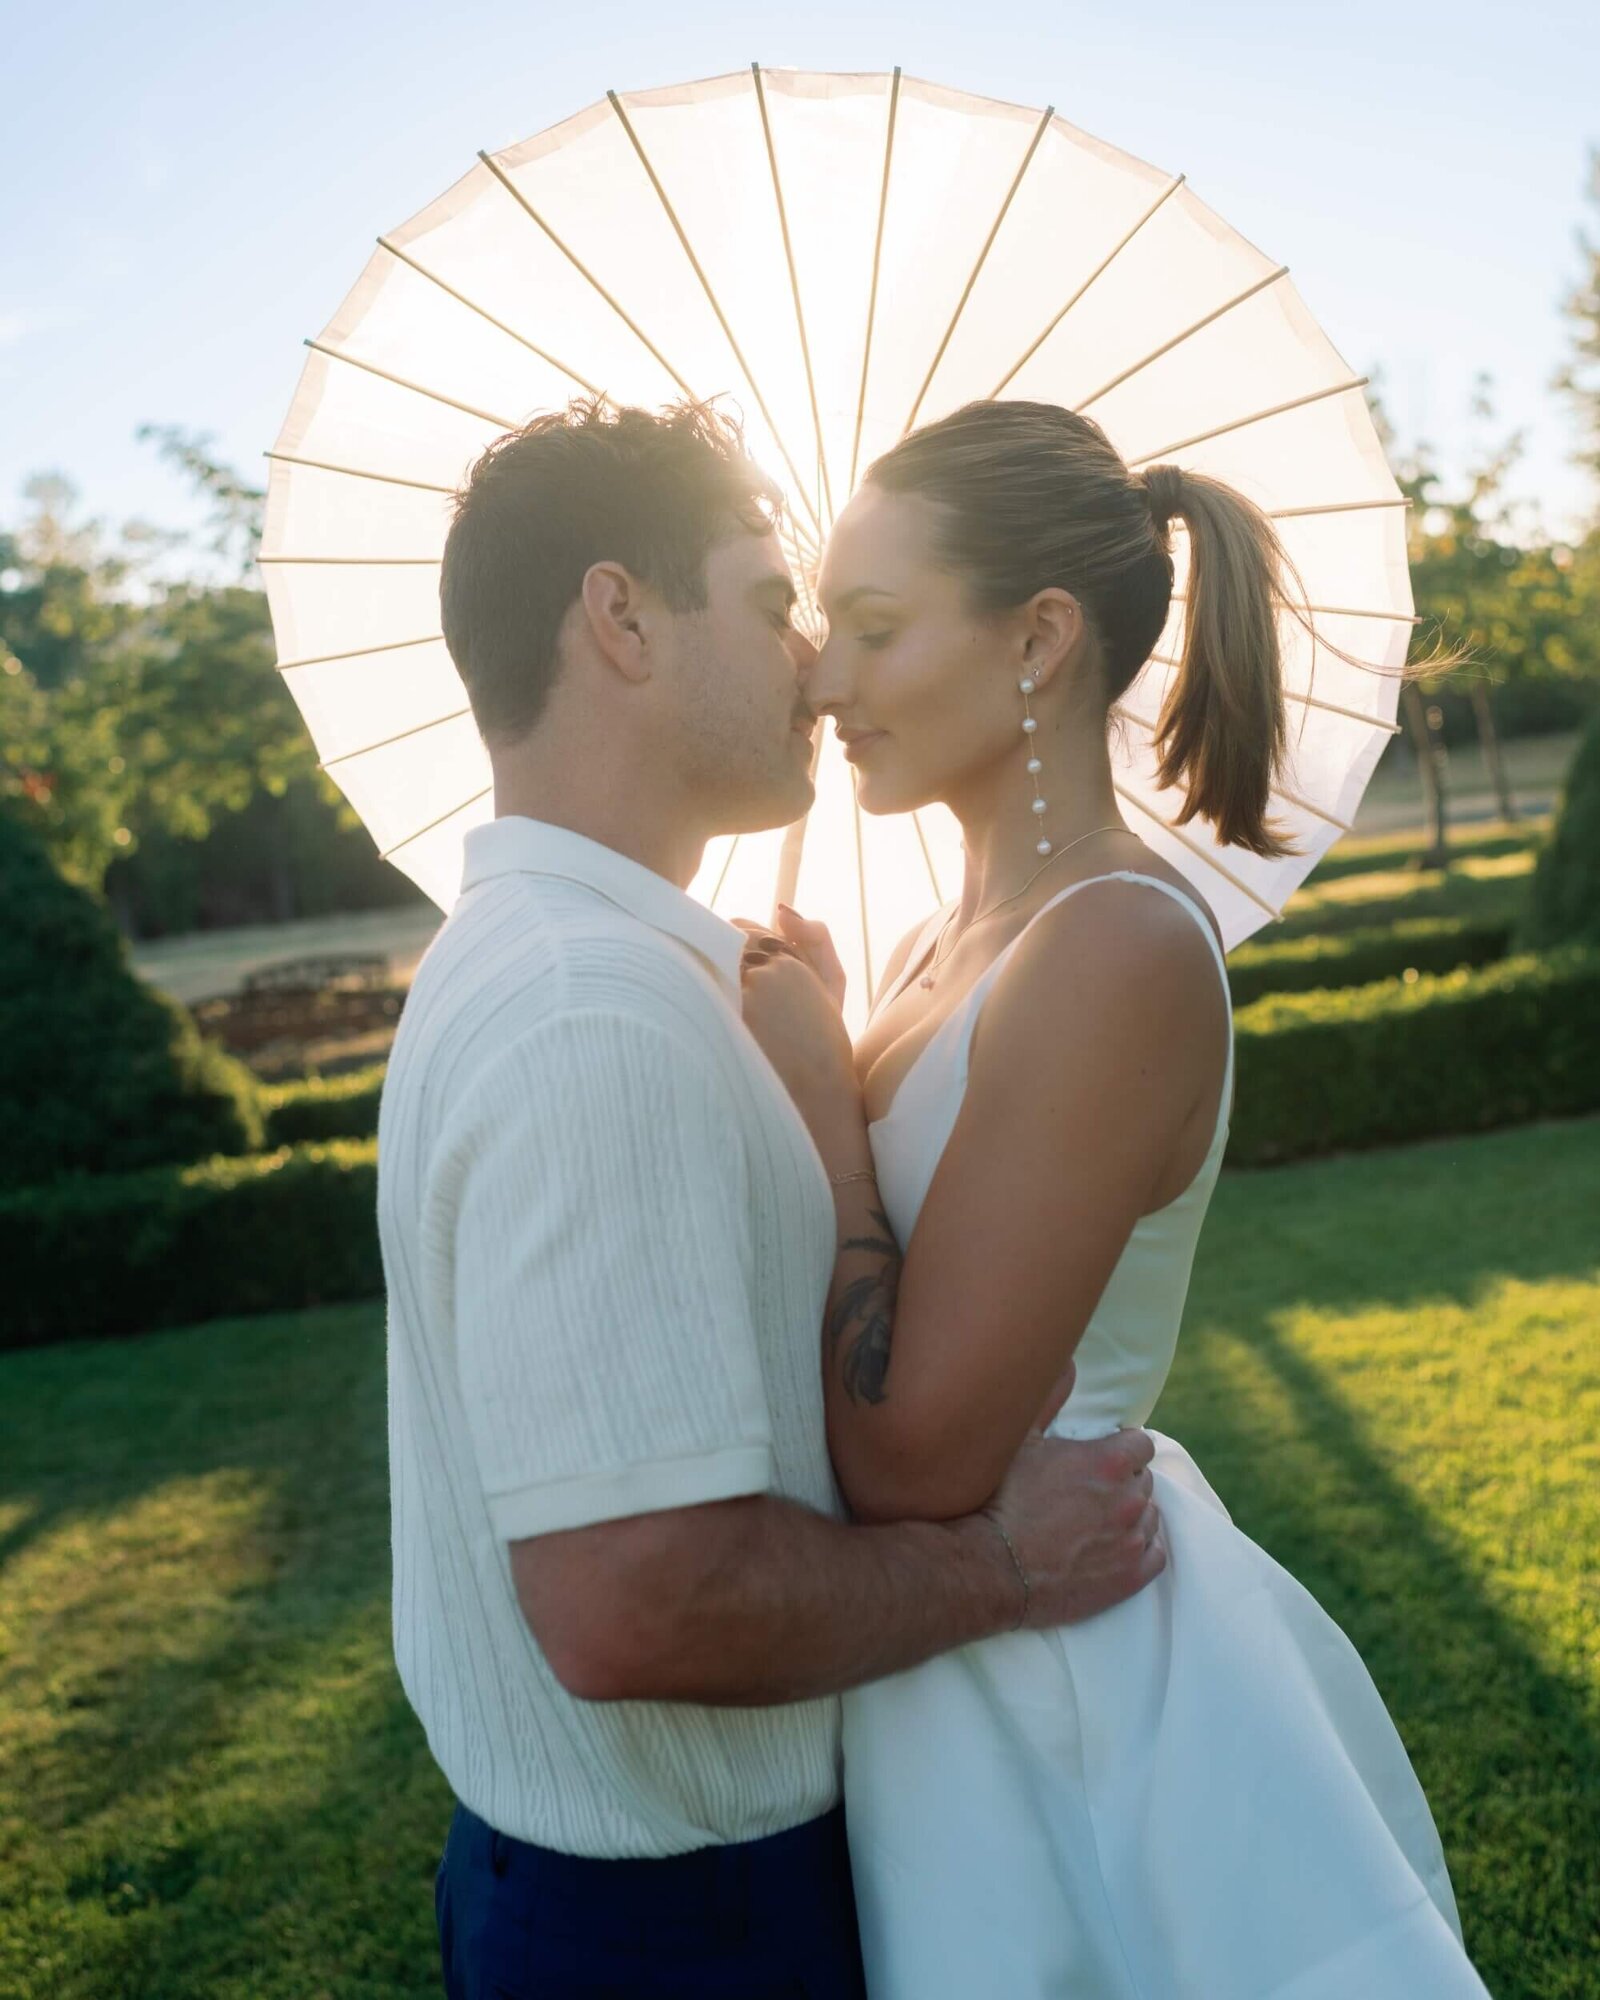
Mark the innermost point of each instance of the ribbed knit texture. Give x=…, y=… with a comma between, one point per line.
x=607, y=1241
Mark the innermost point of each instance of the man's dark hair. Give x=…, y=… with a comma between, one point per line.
x=591, y=483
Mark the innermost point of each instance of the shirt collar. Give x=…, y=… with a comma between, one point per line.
x=516, y=845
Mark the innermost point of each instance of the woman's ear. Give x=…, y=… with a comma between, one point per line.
x=1052, y=635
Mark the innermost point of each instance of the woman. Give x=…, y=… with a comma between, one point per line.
x=1198, y=1793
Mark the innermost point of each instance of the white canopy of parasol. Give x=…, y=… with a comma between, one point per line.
x=842, y=257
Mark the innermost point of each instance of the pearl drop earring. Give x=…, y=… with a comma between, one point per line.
x=1029, y=727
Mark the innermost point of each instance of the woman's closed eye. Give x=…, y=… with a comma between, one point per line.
x=875, y=639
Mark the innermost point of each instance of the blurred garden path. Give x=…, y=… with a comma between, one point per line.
x=207, y=964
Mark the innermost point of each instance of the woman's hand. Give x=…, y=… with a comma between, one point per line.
x=792, y=994
x=815, y=946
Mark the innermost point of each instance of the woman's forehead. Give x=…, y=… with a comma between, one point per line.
x=882, y=539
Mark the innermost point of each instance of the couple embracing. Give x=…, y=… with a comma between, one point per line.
x=782, y=1574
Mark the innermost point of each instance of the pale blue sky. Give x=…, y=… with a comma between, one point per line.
x=192, y=188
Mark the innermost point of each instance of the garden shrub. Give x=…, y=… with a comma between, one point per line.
x=334, y=1107
x=1360, y=958
x=1379, y=1065
x=123, y=1253
x=1564, y=904
x=99, y=1073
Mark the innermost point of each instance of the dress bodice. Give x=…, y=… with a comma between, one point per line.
x=1127, y=1347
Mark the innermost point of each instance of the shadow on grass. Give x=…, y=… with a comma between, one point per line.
x=1506, y=1747
x=215, y=1786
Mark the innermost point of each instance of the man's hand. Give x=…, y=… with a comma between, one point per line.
x=1084, y=1521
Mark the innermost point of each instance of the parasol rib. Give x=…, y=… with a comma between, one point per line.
x=483, y=312
x=1277, y=791
x=1099, y=270
x=356, y=472
x=716, y=306
x=961, y=304
x=350, y=562
x=421, y=729
x=922, y=842
x=877, y=264
x=361, y=652
x=1331, y=611
x=415, y=388
x=584, y=272
x=1178, y=339
x=432, y=823
x=733, y=848
x=861, y=892
x=794, y=287
x=794, y=840
x=1195, y=849
x=1258, y=417
x=1311, y=701
x=1333, y=507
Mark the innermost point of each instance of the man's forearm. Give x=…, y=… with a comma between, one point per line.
x=752, y=1602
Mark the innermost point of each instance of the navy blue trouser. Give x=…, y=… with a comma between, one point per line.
x=771, y=1919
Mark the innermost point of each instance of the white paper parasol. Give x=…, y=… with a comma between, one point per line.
x=843, y=257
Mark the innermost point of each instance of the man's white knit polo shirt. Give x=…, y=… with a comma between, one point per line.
x=607, y=1242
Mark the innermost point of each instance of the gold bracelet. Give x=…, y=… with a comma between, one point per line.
x=1016, y=1561
x=860, y=1174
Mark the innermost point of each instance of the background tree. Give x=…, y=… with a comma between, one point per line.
x=1579, y=380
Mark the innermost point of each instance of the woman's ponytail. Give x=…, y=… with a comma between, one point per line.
x=1222, y=733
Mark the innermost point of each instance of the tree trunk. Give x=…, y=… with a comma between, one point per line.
x=1431, y=769
x=1489, y=737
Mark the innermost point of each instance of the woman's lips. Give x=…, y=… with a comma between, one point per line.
x=854, y=745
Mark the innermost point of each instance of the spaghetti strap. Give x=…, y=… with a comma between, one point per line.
x=1167, y=889
x=986, y=978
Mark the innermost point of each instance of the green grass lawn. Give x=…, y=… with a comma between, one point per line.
x=211, y=1787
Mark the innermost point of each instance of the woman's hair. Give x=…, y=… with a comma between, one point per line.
x=1029, y=496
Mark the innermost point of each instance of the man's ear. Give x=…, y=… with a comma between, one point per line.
x=621, y=623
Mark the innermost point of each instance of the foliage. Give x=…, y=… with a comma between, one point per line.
x=1359, y=958
x=98, y=1073
x=268, y=1233
x=1565, y=902
x=1579, y=380
x=1379, y=1065
x=336, y=1107
x=1524, y=607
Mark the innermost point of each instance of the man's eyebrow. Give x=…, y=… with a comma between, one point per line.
x=776, y=579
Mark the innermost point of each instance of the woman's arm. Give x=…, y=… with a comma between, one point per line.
x=1099, y=1044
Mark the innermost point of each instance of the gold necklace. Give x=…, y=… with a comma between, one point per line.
x=928, y=977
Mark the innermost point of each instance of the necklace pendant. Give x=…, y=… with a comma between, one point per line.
x=926, y=980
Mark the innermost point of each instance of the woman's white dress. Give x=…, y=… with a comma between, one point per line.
x=1197, y=1795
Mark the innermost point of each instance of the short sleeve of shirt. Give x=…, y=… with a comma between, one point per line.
x=606, y=1353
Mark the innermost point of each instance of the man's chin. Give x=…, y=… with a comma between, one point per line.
x=781, y=807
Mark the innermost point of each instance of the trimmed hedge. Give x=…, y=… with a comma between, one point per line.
x=1361, y=958
x=99, y=1073
x=1319, y=1072
x=93, y=1256
x=332, y=1107
x=1381, y=1065
x=1564, y=906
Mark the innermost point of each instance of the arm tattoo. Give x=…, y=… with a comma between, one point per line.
x=862, y=1318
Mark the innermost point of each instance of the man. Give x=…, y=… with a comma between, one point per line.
x=624, y=1596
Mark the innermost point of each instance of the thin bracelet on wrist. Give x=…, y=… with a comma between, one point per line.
x=1016, y=1562
x=860, y=1174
